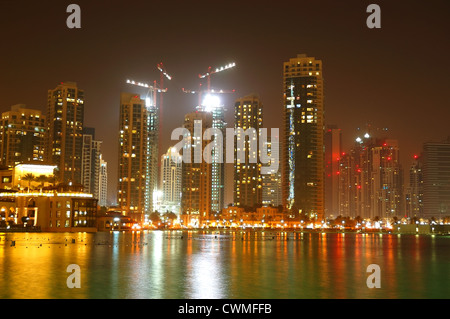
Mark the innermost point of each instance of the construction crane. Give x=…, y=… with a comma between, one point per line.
x=153, y=89
x=163, y=74
x=200, y=93
x=163, y=71
x=210, y=72
x=207, y=75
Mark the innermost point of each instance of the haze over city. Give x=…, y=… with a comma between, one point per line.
x=388, y=77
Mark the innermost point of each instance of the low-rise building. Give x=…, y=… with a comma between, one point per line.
x=50, y=211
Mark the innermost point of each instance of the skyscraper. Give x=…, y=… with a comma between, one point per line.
x=332, y=157
x=414, y=189
x=171, y=166
x=436, y=179
x=103, y=183
x=22, y=136
x=137, y=156
x=271, y=184
x=247, y=171
x=90, y=162
x=214, y=106
x=371, y=179
x=65, y=115
x=196, y=172
x=387, y=179
x=302, y=140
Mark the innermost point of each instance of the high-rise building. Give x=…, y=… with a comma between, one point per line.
x=387, y=179
x=302, y=140
x=65, y=115
x=414, y=190
x=436, y=179
x=247, y=170
x=347, y=185
x=171, y=166
x=214, y=106
x=137, y=156
x=333, y=154
x=196, y=171
x=371, y=179
x=90, y=162
x=22, y=136
x=271, y=183
x=103, y=183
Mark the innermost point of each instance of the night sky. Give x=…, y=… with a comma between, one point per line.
x=395, y=77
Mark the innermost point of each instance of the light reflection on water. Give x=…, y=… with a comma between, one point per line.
x=195, y=264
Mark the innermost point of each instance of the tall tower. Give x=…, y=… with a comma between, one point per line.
x=414, y=189
x=22, y=136
x=271, y=184
x=196, y=172
x=65, y=115
x=171, y=166
x=436, y=181
x=370, y=179
x=137, y=156
x=247, y=174
x=332, y=160
x=387, y=179
x=90, y=162
x=302, y=140
x=103, y=183
x=212, y=104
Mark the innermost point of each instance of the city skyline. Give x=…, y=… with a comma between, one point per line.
x=191, y=152
x=363, y=75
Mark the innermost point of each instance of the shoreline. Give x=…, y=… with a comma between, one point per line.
x=248, y=230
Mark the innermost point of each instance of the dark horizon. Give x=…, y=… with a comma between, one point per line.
x=388, y=77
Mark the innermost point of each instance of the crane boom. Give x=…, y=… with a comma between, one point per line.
x=210, y=72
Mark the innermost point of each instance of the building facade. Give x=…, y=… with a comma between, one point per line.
x=414, y=189
x=371, y=179
x=103, y=183
x=212, y=104
x=171, y=166
x=247, y=170
x=138, y=149
x=196, y=172
x=60, y=210
x=90, y=163
x=65, y=117
x=436, y=179
x=22, y=136
x=333, y=152
x=303, y=136
x=271, y=182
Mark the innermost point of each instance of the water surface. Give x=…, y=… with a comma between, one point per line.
x=195, y=264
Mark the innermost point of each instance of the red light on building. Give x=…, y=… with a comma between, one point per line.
x=415, y=156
